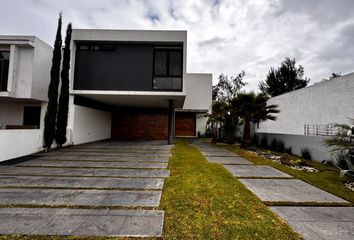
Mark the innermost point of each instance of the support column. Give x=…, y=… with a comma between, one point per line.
x=171, y=121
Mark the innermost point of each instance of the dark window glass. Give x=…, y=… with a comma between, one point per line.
x=175, y=63
x=168, y=68
x=4, y=69
x=160, y=63
x=32, y=116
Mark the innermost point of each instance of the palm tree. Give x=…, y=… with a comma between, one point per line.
x=252, y=107
x=341, y=147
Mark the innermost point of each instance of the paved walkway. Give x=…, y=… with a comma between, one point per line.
x=274, y=187
x=99, y=189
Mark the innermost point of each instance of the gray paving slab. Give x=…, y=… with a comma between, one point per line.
x=114, y=150
x=289, y=190
x=81, y=222
x=260, y=171
x=218, y=153
x=84, y=153
x=105, y=158
x=75, y=197
x=81, y=182
x=158, y=173
x=320, y=222
x=85, y=164
x=228, y=160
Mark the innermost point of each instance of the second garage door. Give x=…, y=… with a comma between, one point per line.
x=185, y=124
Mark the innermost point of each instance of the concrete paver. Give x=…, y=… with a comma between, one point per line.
x=256, y=171
x=81, y=222
x=228, y=160
x=125, y=154
x=289, y=190
x=320, y=222
x=71, y=197
x=81, y=182
x=87, y=172
x=83, y=164
x=105, y=158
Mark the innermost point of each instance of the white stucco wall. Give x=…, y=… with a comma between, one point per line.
x=199, y=92
x=42, y=63
x=29, y=67
x=21, y=142
x=90, y=124
x=326, y=102
x=201, y=123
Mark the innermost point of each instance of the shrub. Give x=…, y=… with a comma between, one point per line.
x=274, y=144
x=288, y=150
x=281, y=146
x=305, y=153
x=264, y=142
x=255, y=140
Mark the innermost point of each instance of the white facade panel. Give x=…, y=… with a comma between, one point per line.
x=199, y=92
x=90, y=125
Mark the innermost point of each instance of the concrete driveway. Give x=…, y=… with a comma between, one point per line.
x=104, y=188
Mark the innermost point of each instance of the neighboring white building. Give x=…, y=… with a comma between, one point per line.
x=323, y=103
x=24, y=76
x=124, y=84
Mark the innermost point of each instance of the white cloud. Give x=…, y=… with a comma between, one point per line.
x=225, y=36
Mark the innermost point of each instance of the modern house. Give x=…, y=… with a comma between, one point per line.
x=307, y=115
x=24, y=76
x=124, y=84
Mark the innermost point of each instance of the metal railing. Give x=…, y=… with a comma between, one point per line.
x=329, y=129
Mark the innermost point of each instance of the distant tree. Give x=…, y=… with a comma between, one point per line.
x=62, y=116
x=50, y=116
x=284, y=79
x=252, y=107
x=228, y=87
x=222, y=115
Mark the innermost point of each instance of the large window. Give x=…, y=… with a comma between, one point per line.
x=168, y=68
x=4, y=69
x=32, y=116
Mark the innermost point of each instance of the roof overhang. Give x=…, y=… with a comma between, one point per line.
x=133, y=99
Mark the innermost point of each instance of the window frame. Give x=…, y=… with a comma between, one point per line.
x=1, y=73
x=168, y=49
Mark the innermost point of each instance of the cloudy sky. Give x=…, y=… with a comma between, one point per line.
x=224, y=36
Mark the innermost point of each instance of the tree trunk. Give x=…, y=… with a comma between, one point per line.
x=247, y=132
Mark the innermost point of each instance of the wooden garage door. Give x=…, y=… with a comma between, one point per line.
x=140, y=124
x=185, y=124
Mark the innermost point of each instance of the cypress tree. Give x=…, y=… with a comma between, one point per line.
x=50, y=116
x=62, y=117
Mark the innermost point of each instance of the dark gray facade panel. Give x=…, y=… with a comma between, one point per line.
x=128, y=68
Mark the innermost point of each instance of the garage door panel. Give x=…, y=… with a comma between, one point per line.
x=140, y=124
x=185, y=124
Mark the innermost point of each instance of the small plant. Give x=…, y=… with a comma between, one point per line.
x=285, y=159
x=264, y=142
x=342, y=148
x=288, y=150
x=305, y=153
x=281, y=146
x=274, y=144
x=255, y=140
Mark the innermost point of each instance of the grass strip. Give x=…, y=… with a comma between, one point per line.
x=203, y=200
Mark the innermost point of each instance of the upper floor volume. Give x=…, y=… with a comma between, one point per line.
x=127, y=60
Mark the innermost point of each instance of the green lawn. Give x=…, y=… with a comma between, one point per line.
x=327, y=179
x=204, y=201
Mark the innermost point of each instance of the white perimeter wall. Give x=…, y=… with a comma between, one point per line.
x=326, y=102
x=90, y=125
x=21, y=142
